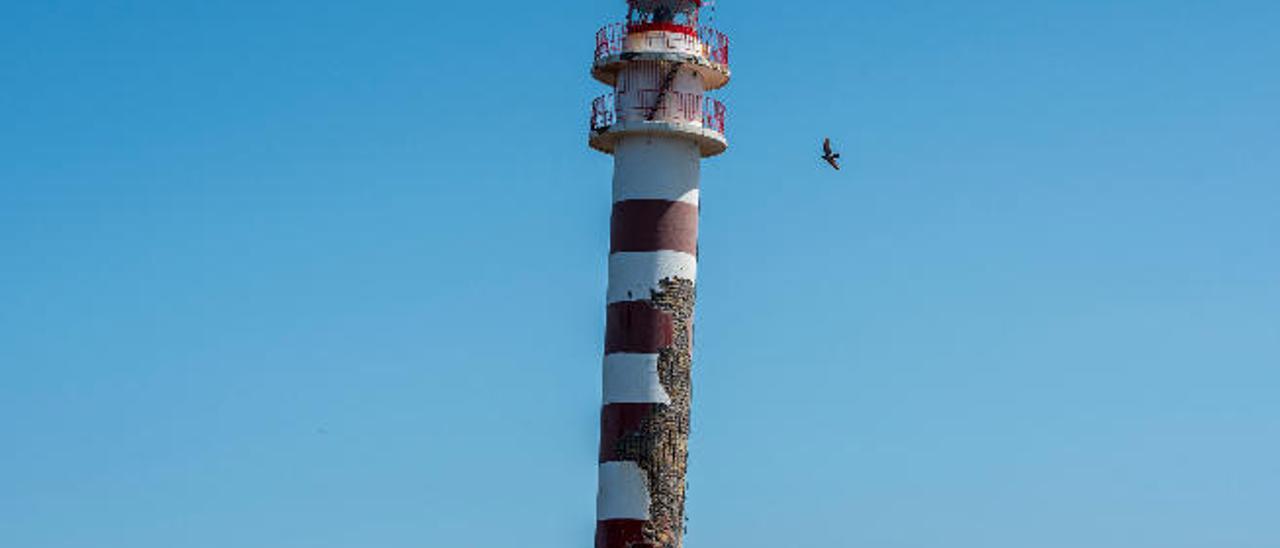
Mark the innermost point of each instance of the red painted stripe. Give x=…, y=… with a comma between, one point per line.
x=619, y=421
x=663, y=27
x=654, y=225
x=637, y=327
x=621, y=533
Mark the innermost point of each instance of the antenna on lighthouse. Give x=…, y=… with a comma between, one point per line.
x=658, y=123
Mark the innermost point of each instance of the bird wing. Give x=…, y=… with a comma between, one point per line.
x=833, y=162
x=826, y=146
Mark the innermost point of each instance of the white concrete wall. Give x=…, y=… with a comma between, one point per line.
x=662, y=41
x=656, y=168
x=639, y=87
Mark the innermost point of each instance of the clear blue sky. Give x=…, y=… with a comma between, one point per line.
x=329, y=274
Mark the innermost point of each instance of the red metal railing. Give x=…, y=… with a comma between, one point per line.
x=605, y=113
x=715, y=44
x=612, y=39
x=713, y=115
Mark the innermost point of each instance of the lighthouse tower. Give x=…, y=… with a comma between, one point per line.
x=658, y=124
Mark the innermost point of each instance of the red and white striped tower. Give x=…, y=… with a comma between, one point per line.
x=658, y=124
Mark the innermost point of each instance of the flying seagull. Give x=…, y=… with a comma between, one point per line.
x=829, y=156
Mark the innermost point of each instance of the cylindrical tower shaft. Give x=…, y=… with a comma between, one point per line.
x=644, y=429
x=658, y=124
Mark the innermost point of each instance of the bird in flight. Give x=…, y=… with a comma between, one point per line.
x=830, y=156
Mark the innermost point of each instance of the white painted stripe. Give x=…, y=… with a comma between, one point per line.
x=633, y=378
x=633, y=276
x=624, y=492
x=656, y=168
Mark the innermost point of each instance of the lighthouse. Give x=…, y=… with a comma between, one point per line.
x=658, y=123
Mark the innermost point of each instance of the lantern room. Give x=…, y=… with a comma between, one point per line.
x=667, y=15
